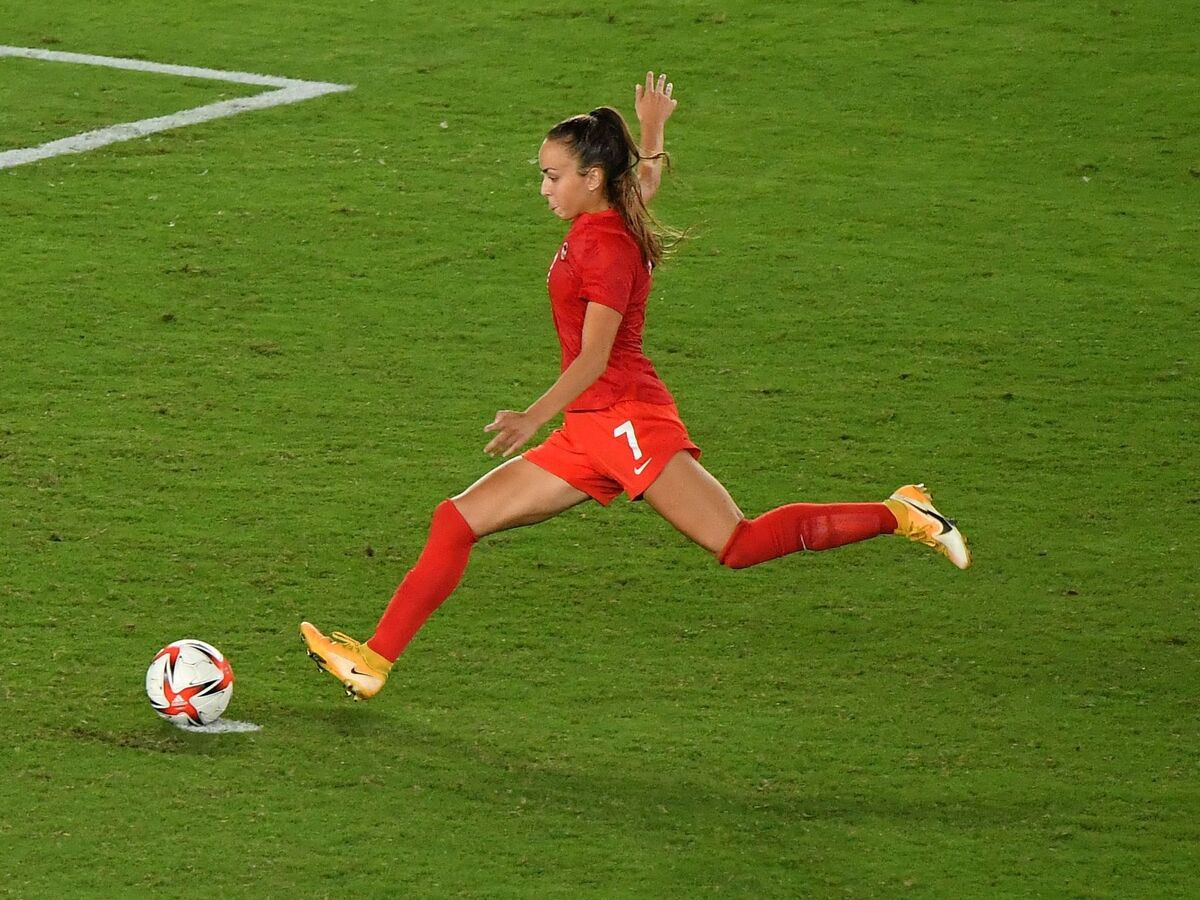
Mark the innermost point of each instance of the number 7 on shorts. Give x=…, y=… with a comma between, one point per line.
x=626, y=429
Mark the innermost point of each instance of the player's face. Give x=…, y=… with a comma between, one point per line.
x=567, y=191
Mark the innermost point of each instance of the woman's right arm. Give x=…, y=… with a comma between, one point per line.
x=654, y=105
x=600, y=326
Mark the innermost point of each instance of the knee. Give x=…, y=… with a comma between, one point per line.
x=734, y=553
x=480, y=516
x=449, y=522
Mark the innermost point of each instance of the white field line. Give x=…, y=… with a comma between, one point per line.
x=221, y=726
x=288, y=90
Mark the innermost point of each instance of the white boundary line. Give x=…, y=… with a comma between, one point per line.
x=288, y=90
x=220, y=726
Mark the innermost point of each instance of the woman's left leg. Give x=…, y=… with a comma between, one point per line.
x=697, y=504
x=691, y=499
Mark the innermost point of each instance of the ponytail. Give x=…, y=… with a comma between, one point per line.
x=602, y=139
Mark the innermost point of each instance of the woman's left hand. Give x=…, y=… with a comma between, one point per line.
x=512, y=429
x=653, y=102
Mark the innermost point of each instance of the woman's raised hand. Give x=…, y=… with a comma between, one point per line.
x=653, y=102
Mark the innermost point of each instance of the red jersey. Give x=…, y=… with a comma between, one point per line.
x=600, y=262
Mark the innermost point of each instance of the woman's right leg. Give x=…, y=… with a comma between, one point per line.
x=512, y=495
x=515, y=494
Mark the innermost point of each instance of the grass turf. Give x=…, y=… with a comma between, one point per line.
x=244, y=360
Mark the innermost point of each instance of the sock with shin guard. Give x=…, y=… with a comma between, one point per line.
x=804, y=526
x=435, y=576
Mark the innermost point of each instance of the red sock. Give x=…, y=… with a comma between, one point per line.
x=804, y=526
x=435, y=576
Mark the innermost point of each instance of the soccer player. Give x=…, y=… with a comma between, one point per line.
x=621, y=430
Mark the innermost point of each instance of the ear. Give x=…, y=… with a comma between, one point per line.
x=594, y=178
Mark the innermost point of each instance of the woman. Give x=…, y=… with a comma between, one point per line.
x=621, y=429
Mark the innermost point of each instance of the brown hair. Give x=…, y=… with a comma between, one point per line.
x=602, y=139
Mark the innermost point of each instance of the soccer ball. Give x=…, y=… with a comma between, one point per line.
x=189, y=682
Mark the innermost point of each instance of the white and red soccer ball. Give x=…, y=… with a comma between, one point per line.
x=189, y=682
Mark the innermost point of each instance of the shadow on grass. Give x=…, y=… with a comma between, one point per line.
x=160, y=738
x=662, y=793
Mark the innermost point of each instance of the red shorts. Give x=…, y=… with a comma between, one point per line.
x=622, y=448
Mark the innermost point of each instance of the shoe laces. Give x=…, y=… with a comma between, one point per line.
x=359, y=649
x=915, y=532
x=917, y=526
x=345, y=640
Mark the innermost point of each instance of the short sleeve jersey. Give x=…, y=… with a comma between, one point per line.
x=600, y=262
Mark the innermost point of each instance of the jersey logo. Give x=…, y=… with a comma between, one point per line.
x=561, y=254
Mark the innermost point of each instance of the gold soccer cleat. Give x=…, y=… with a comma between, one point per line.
x=918, y=520
x=361, y=670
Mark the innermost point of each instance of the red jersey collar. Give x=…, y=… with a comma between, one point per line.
x=584, y=218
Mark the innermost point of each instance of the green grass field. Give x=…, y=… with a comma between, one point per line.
x=242, y=362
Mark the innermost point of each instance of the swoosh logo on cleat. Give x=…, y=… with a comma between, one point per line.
x=354, y=671
x=947, y=527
